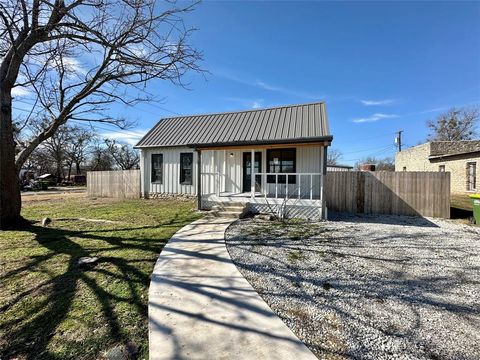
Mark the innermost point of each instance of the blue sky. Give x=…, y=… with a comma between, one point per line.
x=380, y=66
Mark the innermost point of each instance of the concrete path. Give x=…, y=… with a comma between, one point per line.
x=201, y=307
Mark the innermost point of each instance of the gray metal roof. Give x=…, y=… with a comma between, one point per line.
x=292, y=123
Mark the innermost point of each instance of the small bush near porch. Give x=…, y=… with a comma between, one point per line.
x=52, y=307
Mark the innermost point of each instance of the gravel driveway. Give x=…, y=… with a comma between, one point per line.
x=369, y=287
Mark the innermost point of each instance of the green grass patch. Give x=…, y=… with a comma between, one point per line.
x=295, y=255
x=52, y=309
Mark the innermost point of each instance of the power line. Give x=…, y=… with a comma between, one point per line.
x=372, y=154
x=368, y=149
x=131, y=106
x=119, y=130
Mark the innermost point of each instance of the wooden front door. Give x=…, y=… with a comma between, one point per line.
x=247, y=170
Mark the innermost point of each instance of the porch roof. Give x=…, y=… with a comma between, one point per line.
x=304, y=123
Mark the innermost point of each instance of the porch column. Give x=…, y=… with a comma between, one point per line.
x=224, y=171
x=252, y=175
x=323, y=172
x=143, y=163
x=199, y=179
x=217, y=175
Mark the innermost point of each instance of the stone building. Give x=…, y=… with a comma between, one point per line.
x=460, y=158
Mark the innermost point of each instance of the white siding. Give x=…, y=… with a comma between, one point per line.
x=171, y=171
x=223, y=167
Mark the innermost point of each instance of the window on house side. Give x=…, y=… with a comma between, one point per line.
x=441, y=168
x=157, y=168
x=404, y=168
x=186, y=168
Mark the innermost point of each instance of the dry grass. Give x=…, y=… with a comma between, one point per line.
x=51, y=308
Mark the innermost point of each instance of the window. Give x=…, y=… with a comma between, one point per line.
x=441, y=168
x=157, y=168
x=186, y=168
x=404, y=168
x=281, y=161
x=471, y=176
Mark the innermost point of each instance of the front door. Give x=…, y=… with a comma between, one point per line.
x=247, y=170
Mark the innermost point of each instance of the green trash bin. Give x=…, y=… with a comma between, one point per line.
x=476, y=207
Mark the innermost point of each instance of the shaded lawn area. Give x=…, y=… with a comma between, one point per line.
x=51, y=308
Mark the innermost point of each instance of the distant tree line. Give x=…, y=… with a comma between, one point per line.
x=334, y=157
x=73, y=150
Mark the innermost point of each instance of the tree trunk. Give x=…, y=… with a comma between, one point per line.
x=10, y=199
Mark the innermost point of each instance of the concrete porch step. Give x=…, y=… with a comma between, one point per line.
x=228, y=214
x=229, y=210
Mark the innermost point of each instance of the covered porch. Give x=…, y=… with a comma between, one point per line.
x=290, y=174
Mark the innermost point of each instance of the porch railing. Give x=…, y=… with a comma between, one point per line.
x=289, y=185
x=271, y=185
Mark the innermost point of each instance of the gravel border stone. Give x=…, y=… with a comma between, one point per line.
x=368, y=287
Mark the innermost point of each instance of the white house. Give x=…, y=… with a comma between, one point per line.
x=288, y=145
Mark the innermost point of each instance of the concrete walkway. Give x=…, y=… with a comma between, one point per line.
x=201, y=307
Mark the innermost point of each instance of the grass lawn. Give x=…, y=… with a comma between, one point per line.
x=51, y=308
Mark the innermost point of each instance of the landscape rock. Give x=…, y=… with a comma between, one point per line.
x=87, y=262
x=266, y=217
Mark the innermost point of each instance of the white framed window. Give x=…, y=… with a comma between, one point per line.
x=186, y=168
x=157, y=168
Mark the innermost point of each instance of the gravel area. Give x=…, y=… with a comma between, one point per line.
x=368, y=287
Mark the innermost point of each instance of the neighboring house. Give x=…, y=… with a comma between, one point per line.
x=460, y=158
x=339, y=168
x=288, y=145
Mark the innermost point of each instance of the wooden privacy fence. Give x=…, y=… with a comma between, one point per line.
x=116, y=184
x=396, y=193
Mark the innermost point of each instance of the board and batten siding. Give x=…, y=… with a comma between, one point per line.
x=227, y=163
x=171, y=171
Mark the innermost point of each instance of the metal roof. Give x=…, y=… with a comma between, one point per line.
x=284, y=124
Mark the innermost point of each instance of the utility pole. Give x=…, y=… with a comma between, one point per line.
x=398, y=140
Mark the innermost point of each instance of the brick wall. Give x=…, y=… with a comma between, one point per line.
x=416, y=159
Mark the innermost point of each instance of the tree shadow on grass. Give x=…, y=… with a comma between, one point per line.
x=30, y=335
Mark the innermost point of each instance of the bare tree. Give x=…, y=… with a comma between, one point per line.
x=125, y=156
x=100, y=158
x=40, y=162
x=55, y=148
x=77, y=148
x=77, y=58
x=384, y=164
x=333, y=156
x=455, y=124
